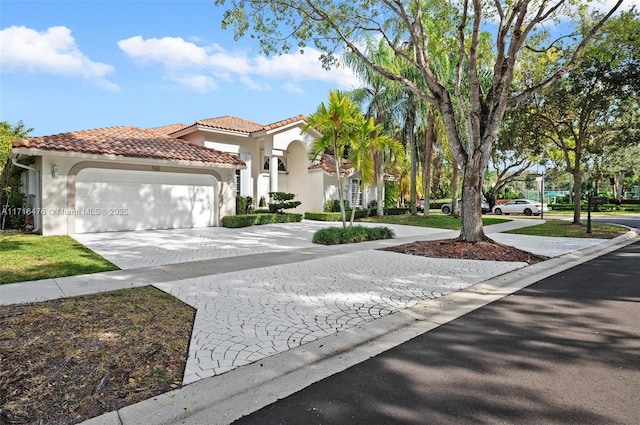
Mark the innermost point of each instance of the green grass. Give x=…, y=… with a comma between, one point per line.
x=31, y=257
x=564, y=228
x=435, y=219
x=584, y=212
x=558, y=228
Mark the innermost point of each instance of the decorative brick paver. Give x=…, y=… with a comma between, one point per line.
x=130, y=250
x=245, y=316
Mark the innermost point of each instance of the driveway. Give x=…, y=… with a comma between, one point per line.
x=262, y=308
x=130, y=250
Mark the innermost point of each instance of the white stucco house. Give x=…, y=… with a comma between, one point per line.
x=277, y=158
x=175, y=176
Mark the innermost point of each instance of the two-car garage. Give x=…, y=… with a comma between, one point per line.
x=125, y=178
x=114, y=200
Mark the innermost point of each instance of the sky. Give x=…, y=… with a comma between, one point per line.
x=75, y=65
x=81, y=64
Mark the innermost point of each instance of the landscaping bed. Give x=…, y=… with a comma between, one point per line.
x=68, y=360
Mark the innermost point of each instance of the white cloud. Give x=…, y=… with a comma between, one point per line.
x=53, y=51
x=172, y=52
x=292, y=88
x=197, y=83
x=177, y=55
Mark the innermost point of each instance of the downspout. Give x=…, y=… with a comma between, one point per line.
x=37, y=217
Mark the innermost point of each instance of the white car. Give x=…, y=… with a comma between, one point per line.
x=520, y=206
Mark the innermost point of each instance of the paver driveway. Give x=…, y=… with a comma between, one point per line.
x=248, y=315
x=129, y=250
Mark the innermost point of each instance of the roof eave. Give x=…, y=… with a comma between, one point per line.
x=129, y=159
x=299, y=123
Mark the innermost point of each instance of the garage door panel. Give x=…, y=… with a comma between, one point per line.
x=137, y=200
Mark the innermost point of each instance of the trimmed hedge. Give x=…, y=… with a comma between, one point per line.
x=236, y=221
x=338, y=235
x=605, y=207
x=397, y=211
x=335, y=216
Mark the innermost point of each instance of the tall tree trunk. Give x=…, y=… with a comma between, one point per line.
x=620, y=186
x=380, y=183
x=337, y=158
x=429, y=141
x=471, y=214
x=437, y=174
x=414, y=169
x=454, y=188
x=577, y=194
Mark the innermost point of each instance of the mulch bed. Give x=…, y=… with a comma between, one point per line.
x=455, y=248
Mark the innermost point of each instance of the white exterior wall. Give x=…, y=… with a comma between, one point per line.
x=57, y=201
x=196, y=138
x=55, y=194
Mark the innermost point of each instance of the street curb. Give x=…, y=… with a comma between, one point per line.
x=239, y=392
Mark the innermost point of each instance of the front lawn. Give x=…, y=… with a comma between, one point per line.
x=32, y=257
x=433, y=220
x=564, y=228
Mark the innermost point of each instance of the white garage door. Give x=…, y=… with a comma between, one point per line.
x=112, y=200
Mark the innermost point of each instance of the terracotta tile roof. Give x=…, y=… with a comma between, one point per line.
x=326, y=163
x=283, y=123
x=130, y=142
x=231, y=123
x=168, y=129
x=240, y=125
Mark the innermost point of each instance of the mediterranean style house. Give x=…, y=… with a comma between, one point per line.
x=175, y=176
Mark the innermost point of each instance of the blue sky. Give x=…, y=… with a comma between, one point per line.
x=74, y=65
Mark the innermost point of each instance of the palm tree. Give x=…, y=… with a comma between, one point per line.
x=369, y=137
x=336, y=122
x=380, y=98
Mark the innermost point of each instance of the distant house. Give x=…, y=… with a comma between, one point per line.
x=174, y=176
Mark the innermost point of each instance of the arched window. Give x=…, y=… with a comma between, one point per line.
x=281, y=165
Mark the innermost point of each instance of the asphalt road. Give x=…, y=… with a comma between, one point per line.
x=625, y=220
x=565, y=350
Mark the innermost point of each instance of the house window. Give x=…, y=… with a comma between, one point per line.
x=237, y=182
x=281, y=165
x=355, y=196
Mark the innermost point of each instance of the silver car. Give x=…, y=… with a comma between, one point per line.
x=520, y=206
x=484, y=205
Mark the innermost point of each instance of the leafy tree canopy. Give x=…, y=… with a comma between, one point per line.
x=9, y=133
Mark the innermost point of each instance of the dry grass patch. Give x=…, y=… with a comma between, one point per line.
x=68, y=360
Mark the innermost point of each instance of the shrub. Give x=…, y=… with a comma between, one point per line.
x=336, y=216
x=397, y=211
x=282, y=201
x=338, y=235
x=241, y=205
x=333, y=205
x=236, y=221
x=323, y=216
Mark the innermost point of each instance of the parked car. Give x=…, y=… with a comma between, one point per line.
x=520, y=206
x=446, y=208
x=420, y=206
